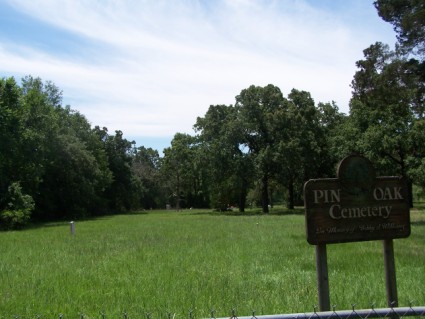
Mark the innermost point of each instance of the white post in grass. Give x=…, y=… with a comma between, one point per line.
x=72, y=228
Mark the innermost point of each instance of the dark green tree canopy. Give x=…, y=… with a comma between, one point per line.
x=386, y=110
x=408, y=19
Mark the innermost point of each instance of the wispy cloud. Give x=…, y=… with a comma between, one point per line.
x=149, y=68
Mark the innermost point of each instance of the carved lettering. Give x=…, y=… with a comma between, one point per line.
x=387, y=193
x=338, y=212
x=326, y=196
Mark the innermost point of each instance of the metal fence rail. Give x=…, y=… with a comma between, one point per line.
x=398, y=312
x=393, y=313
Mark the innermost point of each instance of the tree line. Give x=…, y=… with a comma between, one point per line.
x=258, y=151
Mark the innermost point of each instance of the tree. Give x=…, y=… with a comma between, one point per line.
x=257, y=107
x=124, y=193
x=178, y=169
x=51, y=155
x=304, y=135
x=333, y=123
x=145, y=166
x=77, y=173
x=385, y=113
x=11, y=135
x=49, y=151
x=39, y=127
x=301, y=144
x=230, y=168
x=408, y=19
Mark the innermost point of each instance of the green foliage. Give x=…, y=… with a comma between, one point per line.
x=183, y=173
x=418, y=193
x=14, y=219
x=68, y=168
x=145, y=167
x=259, y=108
x=11, y=131
x=18, y=209
x=386, y=116
x=229, y=167
x=396, y=82
x=302, y=151
x=408, y=20
x=265, y=142
x=125, y=190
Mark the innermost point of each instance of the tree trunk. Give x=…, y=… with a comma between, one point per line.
x=242, y=195
x=291, y=193
x=265, y=194
x=178, y=192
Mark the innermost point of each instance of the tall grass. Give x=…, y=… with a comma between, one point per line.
x=167, y=262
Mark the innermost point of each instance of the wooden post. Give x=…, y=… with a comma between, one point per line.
x=390, y=278
x=322, y=277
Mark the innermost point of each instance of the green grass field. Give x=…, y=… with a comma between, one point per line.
x=158, y=263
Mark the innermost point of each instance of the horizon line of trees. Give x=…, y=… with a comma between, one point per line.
x=261, y=150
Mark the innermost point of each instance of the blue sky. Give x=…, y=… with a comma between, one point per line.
x=150, y=68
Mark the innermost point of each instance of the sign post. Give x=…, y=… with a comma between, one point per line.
x=390, y=278
x=322, y=277
x=356, y=206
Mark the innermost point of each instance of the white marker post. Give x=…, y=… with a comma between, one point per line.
x=72, y=228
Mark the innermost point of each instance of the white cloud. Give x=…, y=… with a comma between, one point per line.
x=157, y=65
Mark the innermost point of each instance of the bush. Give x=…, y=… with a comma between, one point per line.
x=14, y=219
x=19, y=208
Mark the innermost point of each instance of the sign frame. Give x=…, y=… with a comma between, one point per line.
x=359, y=208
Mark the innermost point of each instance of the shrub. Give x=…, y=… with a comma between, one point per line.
x=14, y=219
x=19, y=208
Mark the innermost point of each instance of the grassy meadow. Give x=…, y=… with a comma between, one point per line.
x=164, y=263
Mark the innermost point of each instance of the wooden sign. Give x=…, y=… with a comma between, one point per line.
x=356, y=206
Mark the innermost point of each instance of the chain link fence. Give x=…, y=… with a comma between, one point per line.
x=393, y=313
x=396, y=313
